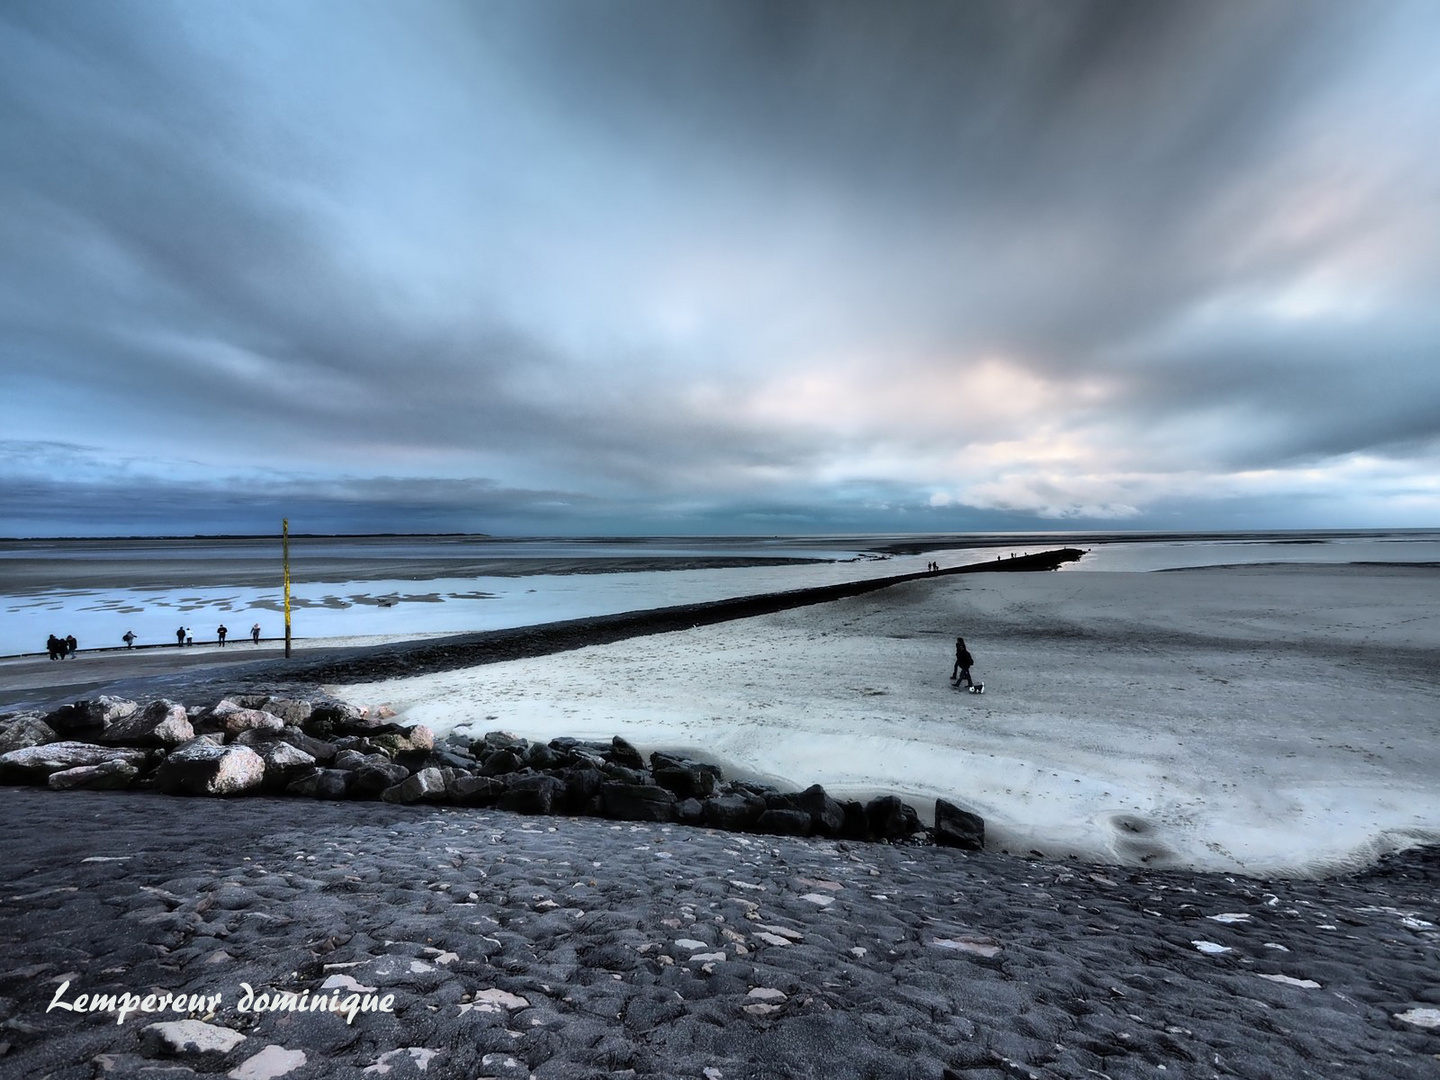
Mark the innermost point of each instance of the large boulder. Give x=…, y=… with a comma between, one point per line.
x=637, y=802
x=785, y=823
x=283, y=763
x=201, y=768
x=107, y=776
x=891, y=819
x=323, y=784
x=537, y=793
x=161, y=723
x=827, y=817
x=376, y=774
x=76, y=719
x=427, y=785
x=958, y=828
x=474, y=790
x=26, y=729
x=734, y=813
x=239, y=721
x=33, y=764
x=622, y=753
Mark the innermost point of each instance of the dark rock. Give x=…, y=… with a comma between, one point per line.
x=857, y=824
x=733, y=813
x=622, y=753
x=661, y=760
x=198, y=768
x=891, y=819
x=448, y=755
x=73, y=719
x=107, y=776
x=332, y=718
x=374, y=776
x=475, y=790
x=427, y=785
x=323, y=784
x=322, y=751
x=958, y=828
x=540, y=756
x=687, y=782
x=582, y=784
x=534, y=794
x=498, y=740
x=785, y=823
x=623, y=774
x=827, y=817
x=637, y=802
x=500, y=763
x=690, y=812
x=352, y=759
x=105, y=710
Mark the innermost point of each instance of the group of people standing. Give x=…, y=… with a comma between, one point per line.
x=182, y=635
x=60, y=648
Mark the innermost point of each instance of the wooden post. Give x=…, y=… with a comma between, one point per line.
x=285, y=544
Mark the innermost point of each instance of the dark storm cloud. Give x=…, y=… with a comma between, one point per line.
x=812, y=260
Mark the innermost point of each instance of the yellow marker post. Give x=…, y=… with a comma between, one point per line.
x=285, y=544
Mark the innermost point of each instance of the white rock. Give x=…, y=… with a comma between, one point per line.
x=420, y=1056
x=761, y=1008
x=707, y=957
x=1305, y=984
x=189, y=1037
x=689, y=943
x=1210, y=948
x=818, y=900
x=978, y=946
x=495, y=1000
x=766, y=993
x=1229, y=917
x=1426, y=1018
x=783, y=931
x=771, y=939
x=345, y=982
x=269, y=1063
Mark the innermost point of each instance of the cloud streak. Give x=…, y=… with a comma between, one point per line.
x=644, y=267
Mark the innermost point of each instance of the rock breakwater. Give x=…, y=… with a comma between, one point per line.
x=331, y=750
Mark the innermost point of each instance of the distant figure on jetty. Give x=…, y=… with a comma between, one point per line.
x=255, y=633
x=220, y=633
x=960, y=673
x=129, y=638
x=180, y=637
x=55, y=647
x=71, y=645
x=189, y=640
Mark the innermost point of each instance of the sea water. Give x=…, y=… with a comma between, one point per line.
x=405, y=586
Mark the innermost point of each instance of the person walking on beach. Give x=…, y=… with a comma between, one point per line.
x=255, y=633
x=129, y=639
x=71, y=645
x=960, y=673
x=55, y=647
x=180, y=637
x=220, y=633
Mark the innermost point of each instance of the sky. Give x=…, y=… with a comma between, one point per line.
x=575, y=267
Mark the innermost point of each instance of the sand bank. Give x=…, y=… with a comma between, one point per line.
x=1259, y=719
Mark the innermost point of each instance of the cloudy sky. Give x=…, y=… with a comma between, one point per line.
x=580, y=267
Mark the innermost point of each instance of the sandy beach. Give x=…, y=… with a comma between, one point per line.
x=1252, y=719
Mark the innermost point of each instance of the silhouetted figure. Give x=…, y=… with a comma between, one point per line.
x=180, y=637
x=71, y=645
x=55, y=647
x=960, y=673
x=220, y=633
x=129, y=639
x=255, y=633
